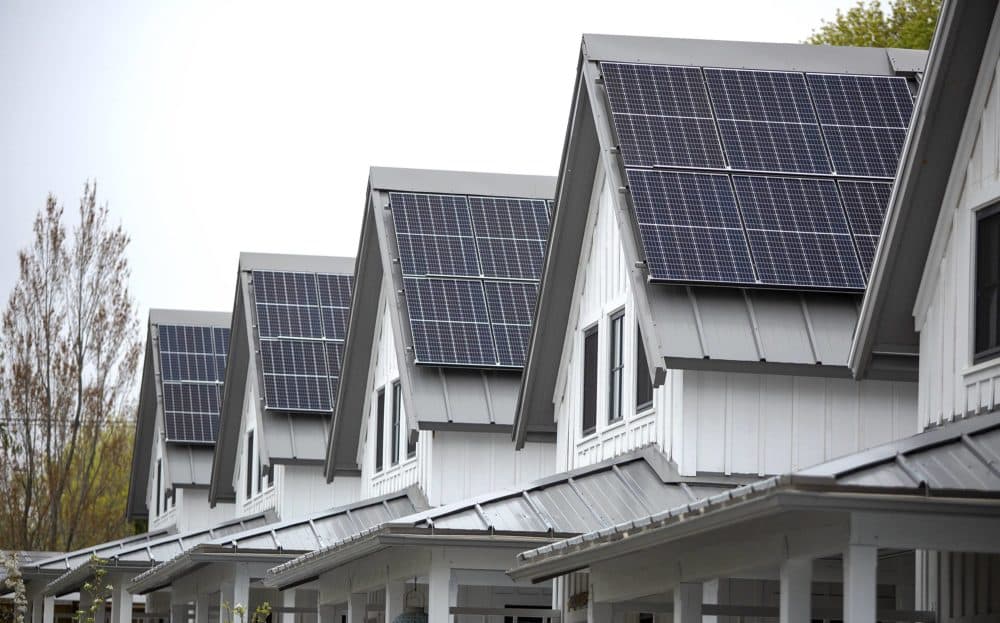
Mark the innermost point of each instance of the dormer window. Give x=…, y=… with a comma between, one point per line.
x=590, y=343
x=616, y=367
x=394, y=452
x=987, y=345
x=249, y=472
x=380, y=430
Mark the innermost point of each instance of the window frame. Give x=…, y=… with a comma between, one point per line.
x=394, y=435
x=616, y=367
x=592, y=331
x=249, y=464
x=380, y=430
x=642, y=375
x=159, y=485
x=992, y=352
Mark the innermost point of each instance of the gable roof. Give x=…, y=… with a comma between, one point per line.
x=569, y=503
x=187, y=465
x=685, y=327
x=283, y=540
x=957, y=460
x=284, y=437
x=433, y=398
x=919, y=204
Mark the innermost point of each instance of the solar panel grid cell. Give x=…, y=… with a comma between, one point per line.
x=449, y=321
x=511, y=307
x=864, y=151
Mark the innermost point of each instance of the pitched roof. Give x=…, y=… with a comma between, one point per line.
x=284, y=437
x=434, y=398
x=959, y=459
x=686, y=327
x=569, y=503
x=197, y=470
x=286, y=538
x=920, y=202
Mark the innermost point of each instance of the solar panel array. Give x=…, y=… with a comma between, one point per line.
x=301, y=329
x=471, y=266
x=758, y=178
x=192, y=369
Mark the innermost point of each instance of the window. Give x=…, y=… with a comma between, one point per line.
x=643, y=384
x=988, y=284
x=616, y=367
x=249, y=479
x=159, y=484
x=379, y=429
x=394, y=452
x=590, y=381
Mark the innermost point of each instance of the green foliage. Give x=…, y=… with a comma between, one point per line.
x=239, y=612
x=98, y=591
x=906, y=24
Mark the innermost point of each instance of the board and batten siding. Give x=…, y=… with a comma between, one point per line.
x=951, y=385
x=733, y=423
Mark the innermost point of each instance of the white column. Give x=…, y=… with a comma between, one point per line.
x=357, y=606
x=599, y=612
x=42, y=608
x=121, y=601
x=860, y=566
x=395, y=595
x=202, y=603
x=288, y=601
x=233, y=592
x=687, y=602
x=48, y=609
x=795, y=599
x=442, y=590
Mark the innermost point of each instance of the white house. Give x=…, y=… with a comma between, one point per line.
x=903, y=531
x=286, y=350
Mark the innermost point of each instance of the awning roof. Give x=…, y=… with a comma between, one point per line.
x=289, y=538
x=581, y=500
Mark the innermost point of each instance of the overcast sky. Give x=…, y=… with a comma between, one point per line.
x=219, y=127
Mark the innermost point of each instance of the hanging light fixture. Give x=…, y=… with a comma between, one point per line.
x=414, y=613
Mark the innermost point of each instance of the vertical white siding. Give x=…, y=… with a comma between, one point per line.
x=950, y=384
x=766, y=424
x=303, y=489
x=603, y=288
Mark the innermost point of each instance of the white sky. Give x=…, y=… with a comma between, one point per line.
x=219, y=127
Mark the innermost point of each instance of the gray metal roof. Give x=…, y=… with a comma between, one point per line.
x=925, y=174
x=61, y=561
x=959, y=459
x=151, y=408
x=302, y=534
x=434, y=398
x=141, y=555
x=284, y=437
x=589, y=498
x=719, y=328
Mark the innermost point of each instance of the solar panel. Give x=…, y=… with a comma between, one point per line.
x=451, y=319
x=192, y=369
x=772, y=209
x=662, y=116
x=301, y=322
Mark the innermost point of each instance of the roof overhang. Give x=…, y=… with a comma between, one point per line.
x=684, y=327
x=927, y=183
x=434, y=398
x=163, y=575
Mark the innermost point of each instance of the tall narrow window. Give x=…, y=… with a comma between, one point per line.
x=643, y=382
x=411, y=440
x=159, y=484
x=379, y=429
x=616, y=367
x=590, y=381
x=250, y=478
x=988, y=284
x=394, y=452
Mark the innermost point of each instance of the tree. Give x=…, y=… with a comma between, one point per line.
x=69, y=350
x=908, y=24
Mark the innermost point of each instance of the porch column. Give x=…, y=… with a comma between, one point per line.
x=860, y=565
x=43, y=608
x=121, y=602
x=442, y=590
x=395, y=595
x=795, y=598
x=202, y=603
x=687, y=602
x=288, y=601
x=236, y=591
x=357, y=606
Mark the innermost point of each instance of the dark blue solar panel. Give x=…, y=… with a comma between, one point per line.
x=775, y=96
x=192, y=368
x=866, y=204
x=511, y=235
x=511, y=307
x=662, y=116
x=867, y=245
x=449, y=322
x=825, y=261
x=790, y=204
x=301, y=325
x=434, y=234
x=782, y=147
x=874, y=101
x=690, y=227
x=864, y=151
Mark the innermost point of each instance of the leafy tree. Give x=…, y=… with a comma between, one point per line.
x=69, y=350
x=907, y=24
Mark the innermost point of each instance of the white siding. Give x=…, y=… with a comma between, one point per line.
x=950, y=384
x=303, y=489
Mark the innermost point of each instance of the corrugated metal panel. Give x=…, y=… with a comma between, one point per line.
x=190, y=464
